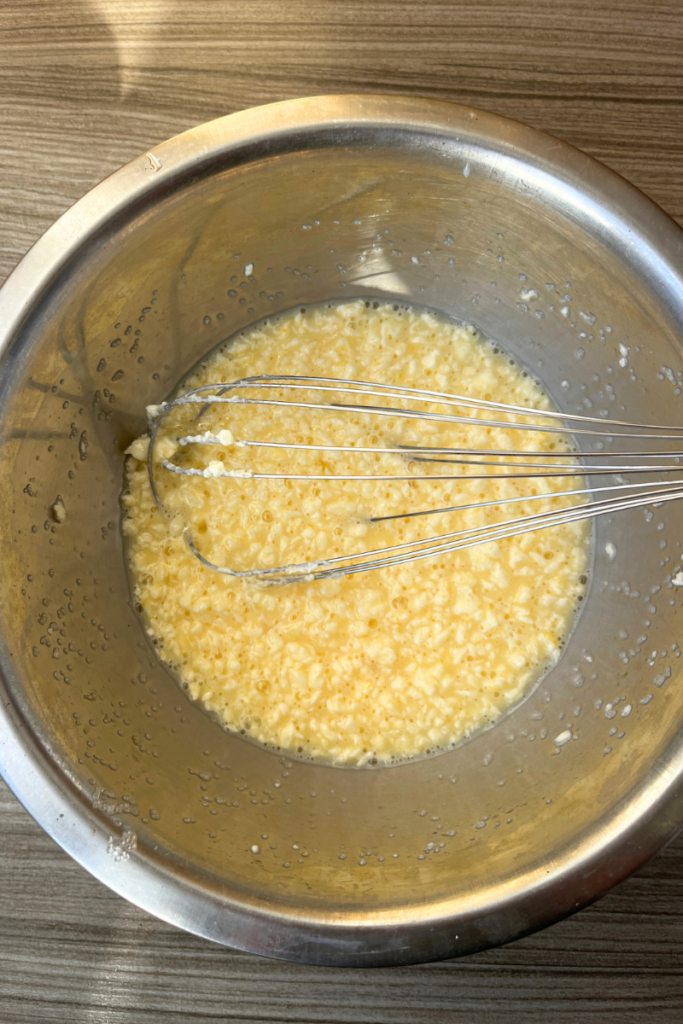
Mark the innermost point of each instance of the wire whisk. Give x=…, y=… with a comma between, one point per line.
x=643, y=457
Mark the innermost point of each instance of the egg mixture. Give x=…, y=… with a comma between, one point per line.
x=382, y=665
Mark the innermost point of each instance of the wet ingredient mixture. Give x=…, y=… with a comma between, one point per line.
x=378, y=666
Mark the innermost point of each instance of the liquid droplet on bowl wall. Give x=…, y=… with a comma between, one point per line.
x=59, y=510
x=121, y=848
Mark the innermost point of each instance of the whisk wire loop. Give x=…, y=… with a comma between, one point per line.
x=504, y=464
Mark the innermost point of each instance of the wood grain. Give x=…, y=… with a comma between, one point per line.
x=84, y=86
x=72, y=952
x=87, y=84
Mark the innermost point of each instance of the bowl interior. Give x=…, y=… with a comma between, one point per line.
x=445, y=218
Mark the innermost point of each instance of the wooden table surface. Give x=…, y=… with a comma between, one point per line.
x=84, y=86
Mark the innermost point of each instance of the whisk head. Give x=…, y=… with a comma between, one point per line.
x=597, y=481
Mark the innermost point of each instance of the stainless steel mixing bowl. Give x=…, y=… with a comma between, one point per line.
x=579, y=277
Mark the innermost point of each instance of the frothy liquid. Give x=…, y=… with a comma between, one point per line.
x=382, y=665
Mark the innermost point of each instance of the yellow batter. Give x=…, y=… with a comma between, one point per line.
x=382, y=665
